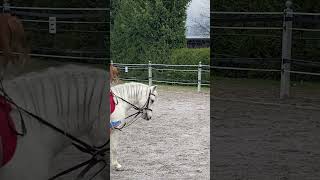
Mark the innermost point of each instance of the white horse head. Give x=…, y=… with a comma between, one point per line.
x=152, y=97
x=127, y=96
x=137, y=94
x=72, y=98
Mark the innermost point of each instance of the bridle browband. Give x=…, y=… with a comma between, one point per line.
x=97, y=152
x=140, y=110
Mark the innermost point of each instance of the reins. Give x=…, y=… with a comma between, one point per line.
x=139, y=110
x=97, y=152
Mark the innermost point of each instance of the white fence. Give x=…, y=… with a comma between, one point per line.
x=198, y=70
x=286, y=28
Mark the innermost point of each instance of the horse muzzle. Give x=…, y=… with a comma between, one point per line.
x=146, y=117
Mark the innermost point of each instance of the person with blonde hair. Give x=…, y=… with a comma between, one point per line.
x=113, y=74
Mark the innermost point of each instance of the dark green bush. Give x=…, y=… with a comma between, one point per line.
x=178, y=57
x=190, y=56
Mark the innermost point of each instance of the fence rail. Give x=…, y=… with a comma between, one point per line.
x=84, y=59
x=65, y=22
x=288, y=16
x=56, y=9
x=198, y=70
x=264, y=13
x=71, y=16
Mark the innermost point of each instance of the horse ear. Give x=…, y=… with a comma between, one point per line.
x=154, y=88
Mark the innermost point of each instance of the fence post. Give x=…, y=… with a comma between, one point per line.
x=286, y=51
x=52, y=25
x=150, y=73
x=199, y=76
x=6, y=6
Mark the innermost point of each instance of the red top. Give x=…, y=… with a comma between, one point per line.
x=8, y=137
x=112, y=103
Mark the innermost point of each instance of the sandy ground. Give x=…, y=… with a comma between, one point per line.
x=265, y=142
x=174, y=144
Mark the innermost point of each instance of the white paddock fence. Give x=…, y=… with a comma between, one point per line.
x=287, y=17
x=197, y=70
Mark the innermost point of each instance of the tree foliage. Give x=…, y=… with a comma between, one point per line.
x=147, y=30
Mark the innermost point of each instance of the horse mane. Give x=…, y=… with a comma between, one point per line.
x=68, y=96
x=131, y=89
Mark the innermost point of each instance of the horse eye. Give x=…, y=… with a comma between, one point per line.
x=152, y=100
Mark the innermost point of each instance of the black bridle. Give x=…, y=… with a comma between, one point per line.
x=97, y=152
x=139, y=110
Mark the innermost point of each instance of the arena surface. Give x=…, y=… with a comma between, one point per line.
x=174, y=144
x=265, y=141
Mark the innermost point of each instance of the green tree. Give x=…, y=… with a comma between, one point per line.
x=145, y=31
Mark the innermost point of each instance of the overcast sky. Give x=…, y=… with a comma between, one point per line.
x=194, y=11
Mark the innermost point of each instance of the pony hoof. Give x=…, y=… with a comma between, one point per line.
x=117, y=167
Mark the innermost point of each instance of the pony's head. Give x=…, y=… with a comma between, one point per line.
x=148, y=103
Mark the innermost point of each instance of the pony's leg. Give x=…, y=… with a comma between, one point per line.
x=113, y=147
x=98, y=136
